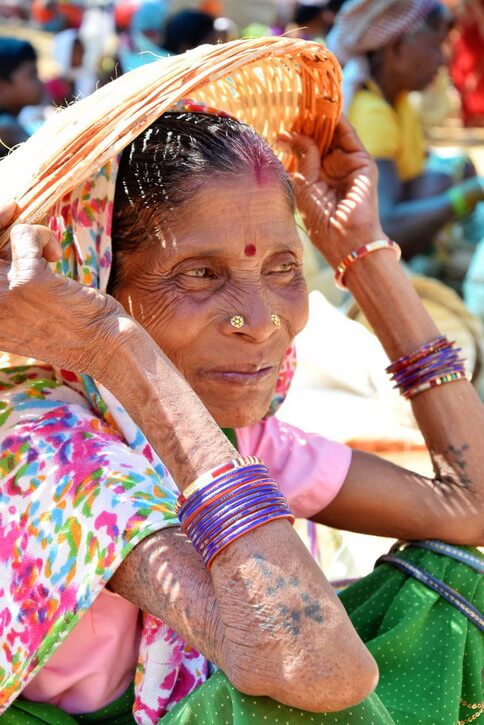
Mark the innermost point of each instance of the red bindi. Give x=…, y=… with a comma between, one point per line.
x=250, y=250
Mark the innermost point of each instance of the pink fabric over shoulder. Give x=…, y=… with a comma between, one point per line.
x=310, y=469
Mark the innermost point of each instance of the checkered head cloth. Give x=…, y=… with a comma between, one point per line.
x=365, y=25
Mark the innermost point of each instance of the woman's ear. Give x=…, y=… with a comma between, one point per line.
x=393, y=53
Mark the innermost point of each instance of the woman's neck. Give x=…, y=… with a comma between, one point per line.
x=388, y=83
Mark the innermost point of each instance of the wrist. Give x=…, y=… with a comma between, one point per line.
x=354, y=238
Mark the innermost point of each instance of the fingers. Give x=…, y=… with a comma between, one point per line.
x=7, y=213
x=345, y=137
x=306, y=152
x=30, y=241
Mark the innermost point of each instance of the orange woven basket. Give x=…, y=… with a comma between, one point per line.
x=273, y=84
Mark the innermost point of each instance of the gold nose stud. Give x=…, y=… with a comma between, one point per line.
x=237, y=321
x=276, y=320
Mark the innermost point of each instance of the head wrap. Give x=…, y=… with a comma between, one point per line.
x=366, y=25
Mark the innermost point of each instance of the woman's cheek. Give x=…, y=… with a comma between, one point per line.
x=293, y=305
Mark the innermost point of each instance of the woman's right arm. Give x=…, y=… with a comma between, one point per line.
x=265, y=612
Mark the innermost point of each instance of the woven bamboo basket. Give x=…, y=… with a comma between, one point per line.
x=273, y=84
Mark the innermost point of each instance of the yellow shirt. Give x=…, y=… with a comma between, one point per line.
x=389, y=132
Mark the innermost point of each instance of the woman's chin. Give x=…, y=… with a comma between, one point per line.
x=239, y=416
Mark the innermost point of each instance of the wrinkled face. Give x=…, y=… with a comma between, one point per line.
x=420, y=55
x=233, y=250
x=24, y=87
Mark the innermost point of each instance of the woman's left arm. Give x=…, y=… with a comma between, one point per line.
x=338, y=202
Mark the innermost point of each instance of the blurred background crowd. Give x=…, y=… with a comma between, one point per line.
x=415, y=93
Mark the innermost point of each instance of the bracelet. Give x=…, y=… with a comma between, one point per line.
x=435, y=382
x=229, y=502
x=357, y=254
x=221, y=485
x=435, y=363
x=216, y=472
x=406, y=360
x=459, y=203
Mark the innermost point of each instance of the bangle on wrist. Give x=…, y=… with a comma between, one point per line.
x=229, y=502
x=359, y=253
x=436, y=363
x=459, y=203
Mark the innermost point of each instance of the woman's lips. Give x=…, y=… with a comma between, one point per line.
x=240, y=377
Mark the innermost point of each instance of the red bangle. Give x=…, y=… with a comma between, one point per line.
x=357, y=254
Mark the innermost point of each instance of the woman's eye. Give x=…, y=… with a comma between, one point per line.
x=200, y=273
x=284, y=267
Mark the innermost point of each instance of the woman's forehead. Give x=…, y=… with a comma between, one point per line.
x=233, y=213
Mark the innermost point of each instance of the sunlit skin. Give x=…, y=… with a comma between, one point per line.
x=185, y=290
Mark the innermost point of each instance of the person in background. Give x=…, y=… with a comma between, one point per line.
x=187, y=29
x=54, y=16
x=467, y=64
x=143, y=43
x=74, y=80
x=20, y=86
x=389, y=48
x=315, y=18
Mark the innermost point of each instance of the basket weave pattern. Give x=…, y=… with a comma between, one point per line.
x=273, y=84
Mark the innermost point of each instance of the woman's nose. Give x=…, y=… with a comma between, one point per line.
x=253, y=318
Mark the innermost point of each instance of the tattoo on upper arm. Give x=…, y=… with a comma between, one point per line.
x=451, y=466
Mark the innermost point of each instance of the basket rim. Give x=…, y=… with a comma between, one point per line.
x=146, y=93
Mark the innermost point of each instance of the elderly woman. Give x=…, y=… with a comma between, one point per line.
x=206, y=296
x=389, y=48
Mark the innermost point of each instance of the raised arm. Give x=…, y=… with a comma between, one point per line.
x=339, y=205
x=265, y=612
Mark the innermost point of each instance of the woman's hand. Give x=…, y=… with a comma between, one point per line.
x=48, y=316
x=336, y=195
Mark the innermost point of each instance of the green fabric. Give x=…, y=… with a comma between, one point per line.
x=430, y=655
x=431, y=659
x=217, y=702
x=23, y=712
x=230, y=434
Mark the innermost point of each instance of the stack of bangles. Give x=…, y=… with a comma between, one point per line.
x=436, y=363
x=228, y=502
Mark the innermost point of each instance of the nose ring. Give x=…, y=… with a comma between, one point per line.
x=276, y=320
x=237, y=321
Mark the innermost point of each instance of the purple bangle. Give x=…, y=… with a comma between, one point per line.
x=429, y=370
x=226, y=480
x=227, y=507
x=254, y=470
x=437, y=359
x=229, y=488
x=406, y=360
x=238, y=528
x=208, y=560
x=217, y=520
x=233, y=523
x=246, y=490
